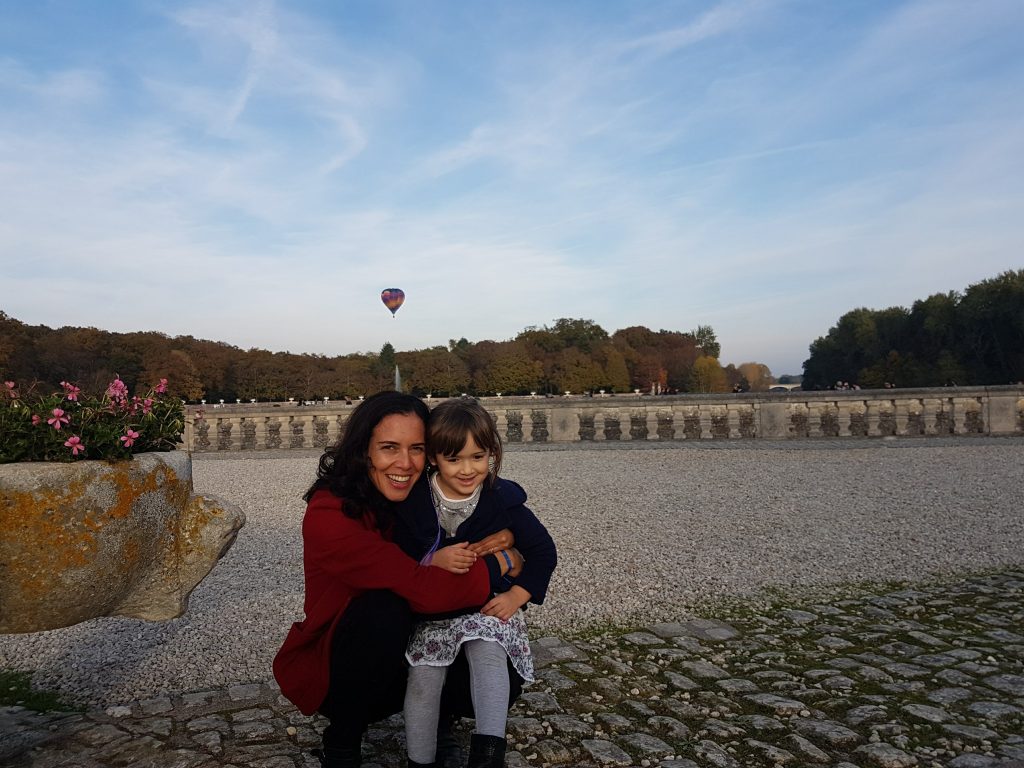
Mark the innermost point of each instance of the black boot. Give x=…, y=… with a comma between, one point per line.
x=486, y=751
x=338, y=757
x=449, y=751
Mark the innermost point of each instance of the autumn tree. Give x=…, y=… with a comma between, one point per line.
x=758, y=375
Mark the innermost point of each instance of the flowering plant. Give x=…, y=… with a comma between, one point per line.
x=70, y=425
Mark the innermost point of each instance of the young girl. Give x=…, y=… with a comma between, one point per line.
x=471, y=502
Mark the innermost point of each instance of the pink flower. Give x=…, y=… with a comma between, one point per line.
x=58, y=420
x=36, y=418
x=117, y=390
x=71, y=392
x=75, y=444
x=161, y=387
x=147, y=405
x=129, y=437
x=11, y=388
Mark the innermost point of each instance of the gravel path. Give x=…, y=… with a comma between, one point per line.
x=643, y=534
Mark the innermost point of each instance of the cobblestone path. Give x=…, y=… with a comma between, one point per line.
x=926, y=676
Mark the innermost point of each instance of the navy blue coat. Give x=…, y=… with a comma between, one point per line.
x=501, y=506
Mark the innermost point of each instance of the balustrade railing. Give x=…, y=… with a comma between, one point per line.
x=630, y=418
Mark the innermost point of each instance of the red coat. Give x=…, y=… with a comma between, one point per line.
x=342, y=558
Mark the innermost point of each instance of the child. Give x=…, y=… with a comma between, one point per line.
x=471, y=502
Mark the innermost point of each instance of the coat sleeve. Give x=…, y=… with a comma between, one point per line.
x=532, y=540
x=343, y=548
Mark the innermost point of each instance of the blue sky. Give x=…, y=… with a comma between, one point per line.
x=257, y=172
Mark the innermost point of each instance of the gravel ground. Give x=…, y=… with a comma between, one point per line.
x=644, y=533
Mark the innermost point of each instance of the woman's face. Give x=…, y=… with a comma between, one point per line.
x=396, y=454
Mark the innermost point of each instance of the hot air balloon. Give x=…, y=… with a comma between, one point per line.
x=393, y=298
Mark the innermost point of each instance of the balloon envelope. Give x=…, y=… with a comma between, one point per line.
x=393, y=298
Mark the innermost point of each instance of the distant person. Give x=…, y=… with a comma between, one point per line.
x=346, y=660
x=464, y=500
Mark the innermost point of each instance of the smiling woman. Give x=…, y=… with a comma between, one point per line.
x=347, y=658
x=397, y=454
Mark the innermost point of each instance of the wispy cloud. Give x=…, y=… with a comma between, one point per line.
x=759, y=166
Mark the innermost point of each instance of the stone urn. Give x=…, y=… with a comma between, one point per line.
x=94, y=538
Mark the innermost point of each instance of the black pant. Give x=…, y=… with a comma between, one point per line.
x=368, y=667
x=369, y=670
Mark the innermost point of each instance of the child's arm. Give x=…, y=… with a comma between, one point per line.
x=538, y=550
x=505, y=604
x=455, y=558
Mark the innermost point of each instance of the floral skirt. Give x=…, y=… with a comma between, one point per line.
x=437, y=643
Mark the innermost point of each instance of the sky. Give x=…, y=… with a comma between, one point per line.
x=256, y=172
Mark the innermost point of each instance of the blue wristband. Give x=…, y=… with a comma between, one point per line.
x=508, y=560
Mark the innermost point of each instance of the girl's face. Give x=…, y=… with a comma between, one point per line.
x=458, y=476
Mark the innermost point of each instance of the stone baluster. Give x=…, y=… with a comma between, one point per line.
x=501, y=421
x=599, y=425
x=335, y=427
x=625, y=423
x=873, y=416
x=902, y=415
x=188, y=437
x=929, y=414
x=260, y=441
x=527, y=425
x=652, y=423
x=236, y=433
x=704, y=412
x=814, y=420
x=843, y=418
x=732, y=416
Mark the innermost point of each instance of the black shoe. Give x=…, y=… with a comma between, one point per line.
x=338, y=757
x=486, y=751
x=449, y=751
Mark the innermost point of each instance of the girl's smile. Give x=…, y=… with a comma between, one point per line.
x=458, y=476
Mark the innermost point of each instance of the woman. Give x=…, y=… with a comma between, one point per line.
x=346, y=660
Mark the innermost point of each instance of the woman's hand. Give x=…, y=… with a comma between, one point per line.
x=456, y=558
x=506, y=604
x=503, y=539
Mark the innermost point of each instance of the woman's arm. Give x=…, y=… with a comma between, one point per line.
x=344, y=548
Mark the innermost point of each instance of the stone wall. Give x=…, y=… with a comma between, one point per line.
x=859, y=413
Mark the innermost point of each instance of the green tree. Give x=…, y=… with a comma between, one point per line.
x=708, y=376
x=576, y=372
x=706, y=340
x=585, y=335
x=616, y=375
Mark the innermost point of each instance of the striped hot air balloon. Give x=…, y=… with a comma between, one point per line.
x=393, y=298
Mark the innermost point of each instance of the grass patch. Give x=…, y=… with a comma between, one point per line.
x=16, y=690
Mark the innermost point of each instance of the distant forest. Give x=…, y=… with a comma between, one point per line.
x=948, y=338
x=570, y=355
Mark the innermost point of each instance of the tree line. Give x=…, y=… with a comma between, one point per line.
x=948, y=338
x=572, y=355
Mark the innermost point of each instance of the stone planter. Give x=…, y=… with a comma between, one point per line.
x=96, y=538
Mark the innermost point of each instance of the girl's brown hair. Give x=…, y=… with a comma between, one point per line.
x=453, y=421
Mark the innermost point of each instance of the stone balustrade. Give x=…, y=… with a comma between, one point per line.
x=623, y=418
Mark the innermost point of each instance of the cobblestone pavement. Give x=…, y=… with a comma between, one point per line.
x=923, y=676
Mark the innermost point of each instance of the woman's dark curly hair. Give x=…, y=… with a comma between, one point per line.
x=344, y=468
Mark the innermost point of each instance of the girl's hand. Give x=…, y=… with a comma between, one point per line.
x=456, y=558
x=503, y=539
x=505, y=605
